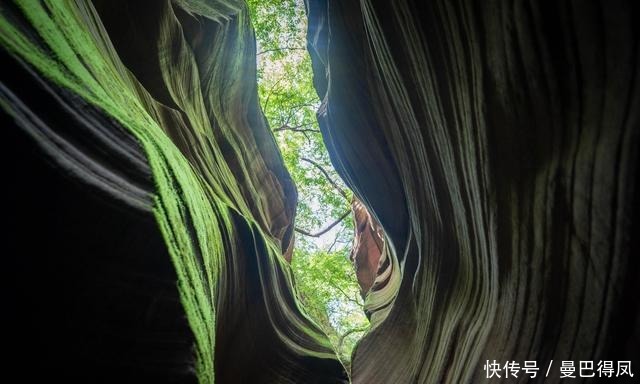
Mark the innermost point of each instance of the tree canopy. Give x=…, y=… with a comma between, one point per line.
x=325, y=278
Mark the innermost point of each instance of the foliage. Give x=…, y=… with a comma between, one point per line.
x=325, y=278
x=325, y=281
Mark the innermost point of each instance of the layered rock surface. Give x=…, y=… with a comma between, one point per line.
x=154, y=104
x=494, y=142
x=490, y=145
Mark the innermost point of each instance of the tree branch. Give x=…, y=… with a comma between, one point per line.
x=281, y=49
x=346, y=296
x=308, y=104
x=297, y=128
x=349, y=332
x=266, y=102
x=335, y=240
x=326, y=174
x=325, y=229
x=306, y=135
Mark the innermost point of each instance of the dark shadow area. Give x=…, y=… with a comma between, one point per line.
x=91, y=290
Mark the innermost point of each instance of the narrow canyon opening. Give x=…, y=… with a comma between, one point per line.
x=164, y=156
x=321, y=262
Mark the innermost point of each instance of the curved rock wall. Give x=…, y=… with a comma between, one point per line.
x=490, y=145
x=495, y=144
x=168, y=89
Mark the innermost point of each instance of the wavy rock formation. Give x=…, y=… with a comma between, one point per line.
x=368, y=247
x=153, y=103
x=495, y=144
x=491, y=147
